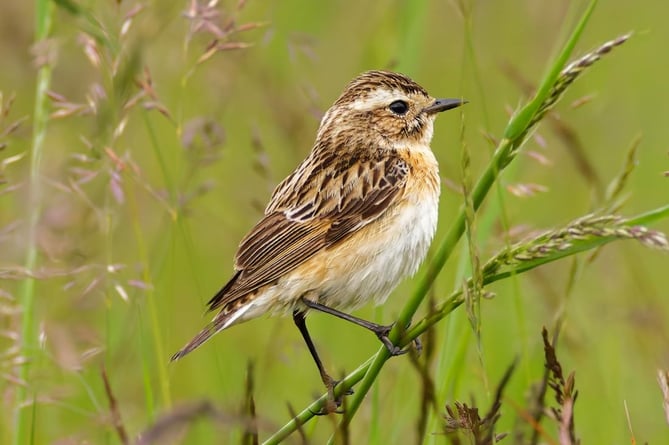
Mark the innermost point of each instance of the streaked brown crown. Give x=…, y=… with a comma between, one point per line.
x=369, y=81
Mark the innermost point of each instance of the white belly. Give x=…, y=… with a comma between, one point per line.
x=361, y=269
x=370, y=270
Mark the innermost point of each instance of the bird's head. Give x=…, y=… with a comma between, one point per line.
x=388, y=108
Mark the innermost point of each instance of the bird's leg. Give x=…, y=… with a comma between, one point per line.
x=332, y=403
x=381, y=331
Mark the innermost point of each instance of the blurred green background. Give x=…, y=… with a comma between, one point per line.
x=160, y=156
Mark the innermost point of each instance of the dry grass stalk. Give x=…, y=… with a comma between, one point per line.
x=565, y=394
x=115, y=413
x=663, y=381
x=462, y=419
x=250, y=436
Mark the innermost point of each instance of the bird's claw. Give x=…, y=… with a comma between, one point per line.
x=332, y=403
x=394, y=350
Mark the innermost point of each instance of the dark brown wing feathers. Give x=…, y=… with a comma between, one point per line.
x=213, y=303
x=320, y=210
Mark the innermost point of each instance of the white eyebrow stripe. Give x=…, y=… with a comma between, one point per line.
x=378, y=98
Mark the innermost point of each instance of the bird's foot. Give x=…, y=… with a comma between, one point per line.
x=382, y=333
x=333, y=402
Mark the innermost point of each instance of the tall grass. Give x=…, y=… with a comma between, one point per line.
x=25, y=407
x=167, y=129
x=558, y=78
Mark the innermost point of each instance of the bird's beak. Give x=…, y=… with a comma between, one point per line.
x=440, y=105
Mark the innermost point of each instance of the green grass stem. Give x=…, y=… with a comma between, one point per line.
x=514, y=137
x=24, y=423
x=451, y=303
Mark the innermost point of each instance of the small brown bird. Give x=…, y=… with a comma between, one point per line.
x=355, y=218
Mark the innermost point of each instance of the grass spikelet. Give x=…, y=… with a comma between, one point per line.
x=584, y=232
x=613, y=199
x=571, y=72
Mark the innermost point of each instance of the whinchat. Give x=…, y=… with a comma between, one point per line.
x=355, y=217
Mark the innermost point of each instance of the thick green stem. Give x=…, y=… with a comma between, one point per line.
x=515, y=135
x=23, y=422
x=449, y=305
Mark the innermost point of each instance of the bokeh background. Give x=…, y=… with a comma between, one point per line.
x=173, y=121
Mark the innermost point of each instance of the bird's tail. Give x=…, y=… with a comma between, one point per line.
x=222, y=321
x=204, y=335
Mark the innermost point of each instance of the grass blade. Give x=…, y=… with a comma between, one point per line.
x=23, y=422
x=514, y=137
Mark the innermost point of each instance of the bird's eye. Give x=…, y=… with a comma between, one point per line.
x=399, y=107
